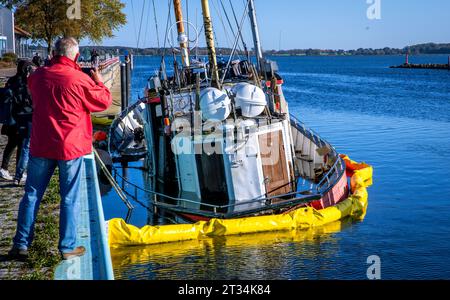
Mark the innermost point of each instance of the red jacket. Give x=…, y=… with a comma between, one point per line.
x=63, y=98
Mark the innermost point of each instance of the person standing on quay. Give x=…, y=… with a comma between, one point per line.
x=63, y=98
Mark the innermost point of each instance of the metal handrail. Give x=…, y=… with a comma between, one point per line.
x=319, y=141
x=265, y=199
x=119, y=118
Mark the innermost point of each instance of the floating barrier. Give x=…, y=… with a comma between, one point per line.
x=355, y=206
x=101, y=121
x=141, y=255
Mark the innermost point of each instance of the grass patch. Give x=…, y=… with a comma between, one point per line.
x=6, y=242
x=44, y=255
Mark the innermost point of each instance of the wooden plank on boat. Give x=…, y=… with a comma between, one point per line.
x=306, y=147
x=300, y=139
x=274, y=164
x=306, y=169
x=299, y=165
x=312, y=158
x=294, y=136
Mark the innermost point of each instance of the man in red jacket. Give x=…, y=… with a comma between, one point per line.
x=63, y=98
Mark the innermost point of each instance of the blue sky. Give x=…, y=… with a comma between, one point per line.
x=288, y=24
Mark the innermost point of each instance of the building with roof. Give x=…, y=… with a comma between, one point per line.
x=7, y=34
x=14, y=39
x=22, y=40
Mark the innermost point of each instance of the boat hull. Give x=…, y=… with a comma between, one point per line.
x=338, y=193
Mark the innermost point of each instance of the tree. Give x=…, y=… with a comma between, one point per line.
x=49, y=19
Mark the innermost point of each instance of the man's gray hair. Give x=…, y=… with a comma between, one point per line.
x=67, y=46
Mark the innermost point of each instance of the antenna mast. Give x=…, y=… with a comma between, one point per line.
x=182, y=36
x=209, y=34
x=255, y=32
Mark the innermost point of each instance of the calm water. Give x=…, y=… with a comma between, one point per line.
x=396, y=120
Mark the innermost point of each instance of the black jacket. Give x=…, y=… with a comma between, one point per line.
x=22, y=108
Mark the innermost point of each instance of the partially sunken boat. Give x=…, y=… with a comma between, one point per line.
x=219, y=139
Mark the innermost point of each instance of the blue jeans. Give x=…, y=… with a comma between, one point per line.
x=22, y=162
x=40, y=170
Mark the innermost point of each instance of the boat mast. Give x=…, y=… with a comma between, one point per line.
x=209, y=34
x=255, y=32
x=182, y=36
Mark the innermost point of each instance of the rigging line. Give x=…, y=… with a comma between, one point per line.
x=141, y=203
x=163, y=65
x=140, y=24
x=173, y=40
x=240, y=33
x=235, y=44
x=223, y=23
x=167, y=26
x=230, y=25
x=187, y=18
x=134, y=23
x=196, y=25
x=226, y=16
x=147, y=25
x=156, y=24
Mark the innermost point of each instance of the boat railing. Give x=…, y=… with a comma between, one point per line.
x=330, y=178
x=120, y=119
x=182, y=202
x=336, y=171
x=309, y=133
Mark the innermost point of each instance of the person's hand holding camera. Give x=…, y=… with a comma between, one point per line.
x=96, y=75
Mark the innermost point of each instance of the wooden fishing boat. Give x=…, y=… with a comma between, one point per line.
x=219, y=139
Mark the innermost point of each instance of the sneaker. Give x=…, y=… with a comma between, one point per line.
x=79, y=251
x=18, y=254
x=20, y=182
x=5, y=174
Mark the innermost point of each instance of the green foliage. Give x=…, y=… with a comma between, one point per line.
x=429, y=48
x=48, y=19
x=416, y=49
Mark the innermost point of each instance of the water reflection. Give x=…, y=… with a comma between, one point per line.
x=274, y=255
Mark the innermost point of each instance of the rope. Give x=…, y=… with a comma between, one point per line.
x=187, y=18
x=111, y=180
x=229, y=23
x=147, y=25
x=235, y=44
x=221, y=21
x=196, y=25
x=140, y=24
x=163, y=65
x=240, y=33
x=134, y=18
x=156, y=23
x=226, y=16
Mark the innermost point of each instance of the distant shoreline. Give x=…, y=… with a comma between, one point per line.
x=421, y=49
x=293, y=55
x=348, y=55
